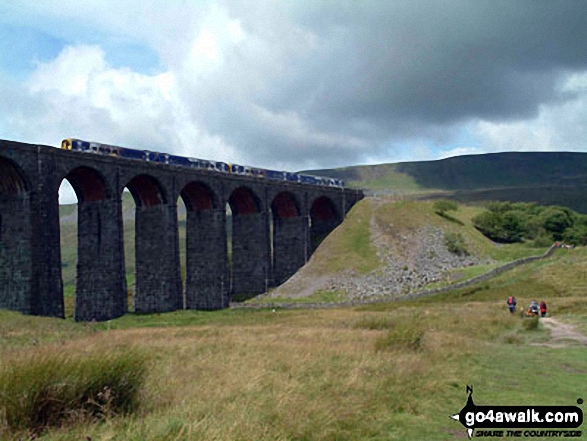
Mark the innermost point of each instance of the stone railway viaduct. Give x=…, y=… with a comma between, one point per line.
x=30, y=255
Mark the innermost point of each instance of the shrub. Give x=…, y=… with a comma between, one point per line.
x=576, y=235
x=455, y=243
x=507, y=227
x=51, y=389
x=443, y=205
x=556, y=220
x=542, y=241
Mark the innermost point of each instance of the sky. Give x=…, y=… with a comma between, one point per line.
x=297, y=84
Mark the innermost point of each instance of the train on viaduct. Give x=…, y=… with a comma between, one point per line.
x=275, y=226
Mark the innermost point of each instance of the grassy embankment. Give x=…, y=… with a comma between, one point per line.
x=387, y=371
x=350, y=248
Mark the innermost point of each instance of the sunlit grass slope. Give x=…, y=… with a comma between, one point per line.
x=388, y=372
x=352, y=247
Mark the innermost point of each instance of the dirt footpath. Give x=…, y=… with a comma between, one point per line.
x=561, y=334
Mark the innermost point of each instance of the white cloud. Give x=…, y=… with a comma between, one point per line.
x=559, y=126
x=307, y=84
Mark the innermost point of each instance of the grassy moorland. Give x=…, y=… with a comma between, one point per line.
x=548, y=178
x=387, y=371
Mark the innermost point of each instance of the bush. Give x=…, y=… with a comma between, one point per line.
x=576, y=235
x=455, y=243
x=505, y=227
x=49, y=389
x=556, y=220
x=443, y=205
x=507, y=222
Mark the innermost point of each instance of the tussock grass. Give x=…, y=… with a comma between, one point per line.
x=402, y=336
x=39, y=389
x=531, y=324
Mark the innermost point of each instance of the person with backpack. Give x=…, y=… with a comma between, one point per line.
x=511, y=304
x=533, y=309
x=542, y=308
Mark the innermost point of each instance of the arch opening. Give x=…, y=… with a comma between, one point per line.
x=129, y=209
x=88, y=185
x=284, y=205
x=146, y=191
x=323, y=210
x=12, y=181
x=198, y=197
x=324, y=218
x=244, y=201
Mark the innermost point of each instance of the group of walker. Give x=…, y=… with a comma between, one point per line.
x=534, y=310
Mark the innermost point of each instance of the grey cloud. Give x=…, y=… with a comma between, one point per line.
x=384, y=72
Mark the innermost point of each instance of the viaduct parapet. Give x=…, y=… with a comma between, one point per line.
x=30, y=255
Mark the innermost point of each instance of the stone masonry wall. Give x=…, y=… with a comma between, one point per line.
x=16, y=263
x=158, y=281
x=289, y=247
x=99, y=271
x=250, y=254
x=206, y=260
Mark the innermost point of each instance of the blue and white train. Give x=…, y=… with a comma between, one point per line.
x=181, y=161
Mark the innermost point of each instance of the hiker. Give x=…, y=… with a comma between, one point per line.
x=533, y=309
x=542, y=308
x=512, y=304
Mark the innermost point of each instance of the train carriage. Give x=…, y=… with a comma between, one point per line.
x=195, y=163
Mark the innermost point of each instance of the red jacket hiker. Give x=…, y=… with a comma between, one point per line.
x=543, y=308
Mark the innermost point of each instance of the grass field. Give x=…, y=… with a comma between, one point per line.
x=388, y=371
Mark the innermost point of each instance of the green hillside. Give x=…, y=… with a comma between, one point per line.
x=383, y=241
x=549, y=178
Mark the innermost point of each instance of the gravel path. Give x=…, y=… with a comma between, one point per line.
x=561, y=333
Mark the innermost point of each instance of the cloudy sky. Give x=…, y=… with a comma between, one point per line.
x=297, y=84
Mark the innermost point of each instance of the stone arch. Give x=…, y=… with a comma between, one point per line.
x=89, y=185
x=285, y=205
x=323, y=210
x=244, y=201
x=146, y=191
x=198, y=196
x=12, y=179
x=17, y=284
x=324, y=217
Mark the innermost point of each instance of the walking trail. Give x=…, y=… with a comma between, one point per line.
x=561, y=334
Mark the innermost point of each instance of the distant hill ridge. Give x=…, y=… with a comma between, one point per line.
x=542, y=177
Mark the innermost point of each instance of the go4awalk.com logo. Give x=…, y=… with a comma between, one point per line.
x=520, y=421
